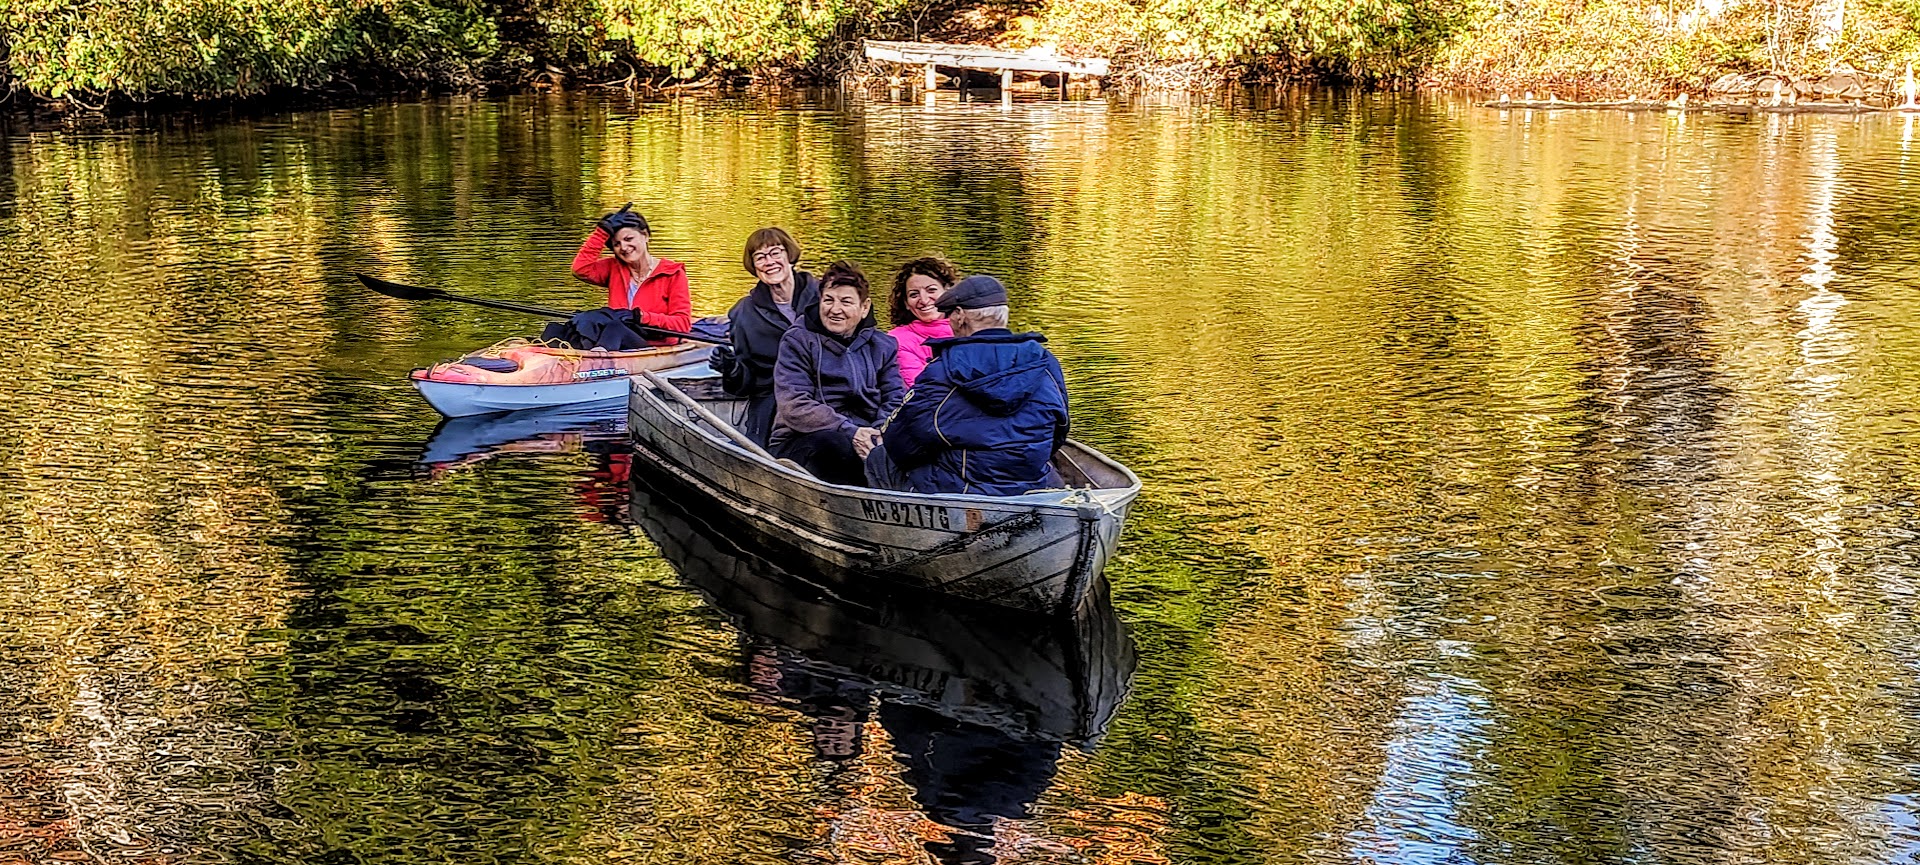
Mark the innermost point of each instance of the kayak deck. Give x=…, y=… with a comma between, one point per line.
x=517, y=374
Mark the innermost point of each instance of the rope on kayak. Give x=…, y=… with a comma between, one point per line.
x=510, y=343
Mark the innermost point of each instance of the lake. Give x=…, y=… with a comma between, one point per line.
x=1520, y=486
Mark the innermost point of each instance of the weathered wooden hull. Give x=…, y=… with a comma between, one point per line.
x=1040, y=552
x=1053, y=679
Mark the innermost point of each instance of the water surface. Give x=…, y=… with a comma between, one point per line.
x=1520, y=487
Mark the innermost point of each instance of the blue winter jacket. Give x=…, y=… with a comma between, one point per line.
x=985, y=417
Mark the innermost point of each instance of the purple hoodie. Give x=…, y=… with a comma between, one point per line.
x=822, y=383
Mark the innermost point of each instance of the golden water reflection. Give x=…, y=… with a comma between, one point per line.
x=1521, y=486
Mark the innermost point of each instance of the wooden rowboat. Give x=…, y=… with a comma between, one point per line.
x=1039, y=552
x=518, y=374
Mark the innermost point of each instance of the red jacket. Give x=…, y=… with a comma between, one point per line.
x=662, y=300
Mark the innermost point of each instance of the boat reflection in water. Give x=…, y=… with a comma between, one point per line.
x=597, y=428
x=979, y=702
x=462, y=441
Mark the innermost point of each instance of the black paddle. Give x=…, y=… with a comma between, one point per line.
x=414, y=292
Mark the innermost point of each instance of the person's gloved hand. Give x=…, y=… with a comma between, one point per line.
x=622, y=218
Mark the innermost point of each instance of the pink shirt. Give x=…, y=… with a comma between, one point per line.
x=914, y=353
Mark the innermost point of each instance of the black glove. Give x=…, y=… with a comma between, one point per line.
x=734, y=375
x=613, y=222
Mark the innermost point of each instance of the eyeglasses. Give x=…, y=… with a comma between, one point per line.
x=771, y=253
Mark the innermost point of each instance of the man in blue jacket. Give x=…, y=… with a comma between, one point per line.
x=986, y=416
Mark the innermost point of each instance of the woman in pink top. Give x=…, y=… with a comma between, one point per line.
x=915, y=320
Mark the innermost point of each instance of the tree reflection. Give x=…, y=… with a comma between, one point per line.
x=1540, y=483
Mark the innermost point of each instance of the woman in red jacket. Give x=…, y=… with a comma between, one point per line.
x=655, y=289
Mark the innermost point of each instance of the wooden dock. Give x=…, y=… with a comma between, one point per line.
x=929, y=55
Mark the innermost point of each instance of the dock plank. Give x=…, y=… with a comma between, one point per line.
x=981, y=57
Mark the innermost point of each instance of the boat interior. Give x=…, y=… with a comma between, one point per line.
x=1082, y=467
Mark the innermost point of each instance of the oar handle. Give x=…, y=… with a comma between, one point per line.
x=510, y=306
x=414, y=292
x=647, y=329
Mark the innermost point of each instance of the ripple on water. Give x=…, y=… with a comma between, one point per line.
x=1519, y=487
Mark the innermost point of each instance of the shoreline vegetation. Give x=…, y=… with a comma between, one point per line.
x=116, y=54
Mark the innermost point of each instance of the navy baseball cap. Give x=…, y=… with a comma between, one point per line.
x=974, y=292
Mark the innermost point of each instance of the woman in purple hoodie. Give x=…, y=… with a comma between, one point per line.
x=915, y=320
x=836, y=378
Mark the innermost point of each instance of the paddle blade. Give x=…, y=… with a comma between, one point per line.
x=394, y=289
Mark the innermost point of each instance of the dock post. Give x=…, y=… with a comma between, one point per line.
x=986, y=60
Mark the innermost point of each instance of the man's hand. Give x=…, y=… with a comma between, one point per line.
x=865, y=439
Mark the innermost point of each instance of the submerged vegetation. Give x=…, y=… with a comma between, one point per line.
x=90, y=52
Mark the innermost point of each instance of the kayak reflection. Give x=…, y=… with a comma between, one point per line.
x=598, y=429
x=462, y=441
x=978, y=703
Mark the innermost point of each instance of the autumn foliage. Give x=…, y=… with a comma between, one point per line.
x=92, y=51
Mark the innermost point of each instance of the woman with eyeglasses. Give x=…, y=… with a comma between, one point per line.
x=780, y=299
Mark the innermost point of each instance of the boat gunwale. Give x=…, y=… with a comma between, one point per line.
x=1121, y=496
x=416, y=375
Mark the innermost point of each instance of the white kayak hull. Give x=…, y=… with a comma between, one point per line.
x=461, y=399
x=465, y=399
x=542, y=376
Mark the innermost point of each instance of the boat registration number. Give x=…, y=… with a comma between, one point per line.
x=599, y=373
x=900, y=513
